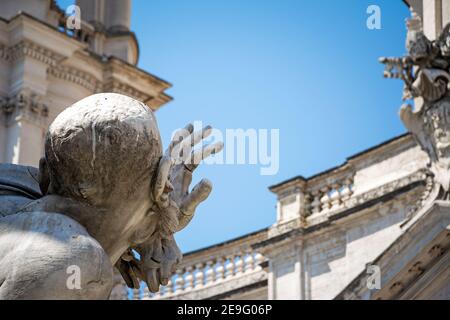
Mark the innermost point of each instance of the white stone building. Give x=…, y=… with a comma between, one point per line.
x=372, y=220
x=46, y=67
x=371, y=228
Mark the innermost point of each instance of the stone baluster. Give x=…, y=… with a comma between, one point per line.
x=259, y=258
x=158, y=294
x=146, y=293
x=220, y=270
x=179, y=282
x=189, y=278
x=199, y=276
x=136, y=294
x=230, y=266
x=346, y=191
x=249, y=261
x=239, y=264
x=315, y=204
x=325, y=200
x=307, y=210
x=210, y=272
x=335, y=197
x=169, y=288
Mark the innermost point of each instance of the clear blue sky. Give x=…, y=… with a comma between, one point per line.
x=309, y=68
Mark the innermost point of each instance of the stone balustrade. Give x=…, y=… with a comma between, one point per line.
x=304, y=202
x=209, y=267
x=329, y=196
x=211, y=272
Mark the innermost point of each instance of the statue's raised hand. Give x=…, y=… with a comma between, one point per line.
x=171, y=189
x=174, y=205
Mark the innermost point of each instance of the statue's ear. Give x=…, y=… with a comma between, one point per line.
x=43, y=176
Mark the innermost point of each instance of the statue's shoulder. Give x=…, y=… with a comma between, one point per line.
x=18, y=186
x=20, y=179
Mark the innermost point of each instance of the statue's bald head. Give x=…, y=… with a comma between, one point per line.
x=106, y=145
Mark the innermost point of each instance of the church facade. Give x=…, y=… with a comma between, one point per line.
x=375, y=227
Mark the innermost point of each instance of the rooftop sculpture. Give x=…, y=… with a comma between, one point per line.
x=425, y=71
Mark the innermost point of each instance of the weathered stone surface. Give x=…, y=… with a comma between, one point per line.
x=45, y=69
x=18, y=187
x=425, y=72
x=107, y=188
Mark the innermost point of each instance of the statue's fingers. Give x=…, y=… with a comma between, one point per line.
x=157, y=254
x=152, y=280
x=165, y=165
x=165, y=273
x=200, y=135
x=193, y=139
x=124, y=269
x=134, y=277
x=137, y=271
x=198, y=155
x=200, y=192
x=177, y=138
x=213, y=149
x=181, y=179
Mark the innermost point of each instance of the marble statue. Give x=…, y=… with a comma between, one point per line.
x=105, y=195
x=426, y=75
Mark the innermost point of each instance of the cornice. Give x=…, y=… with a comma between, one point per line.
x=124, y=66
x=94, y=85
x=76, y=76
x=122, y=88
x=27, y=48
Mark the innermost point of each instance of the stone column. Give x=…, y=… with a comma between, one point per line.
x=92, y=11
x=26, y=123
x=286, y=274
x=445, y=12
x=432, y=18
x=435, y=15
x=118, y=13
